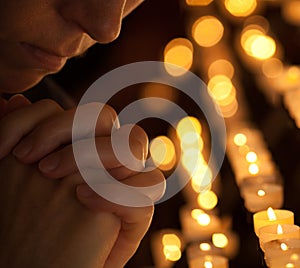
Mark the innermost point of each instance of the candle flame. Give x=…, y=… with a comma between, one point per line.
x=279, y=229
x=205, y=247
x=261, y=193
x=295, y=257
x=208, y=264
x=284, y=246
x=271, y=214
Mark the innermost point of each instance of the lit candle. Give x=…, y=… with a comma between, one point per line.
x=198, y=225
x=260, y=197
x=281, y=247
x=277, y=231
x=270, y=217
x=209, y=261
x=285, y=261
x=166, y=247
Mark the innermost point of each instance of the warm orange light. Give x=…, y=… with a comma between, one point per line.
x=220, y=87
x=240, y=8
x=207, y=31
x=258, y=45
x=208, y=264
x=272, y=68
x=207, y=200
x=162, y=151
x=171, y=239
x=284, y=247
x=205, y=247
x=172, y=253
x=251, y=157
x=201, y=217
x=187, y=125
x=220, y=240
x=198, y=2
x=261, y=193
x=290, y=11
x=240, y=139
x=179, y=52
x=253, y=169
x=279, y=229
x=221, y=66
x=271, y=214
x=289, y=265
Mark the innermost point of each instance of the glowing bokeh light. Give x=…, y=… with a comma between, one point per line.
x=172, y=253
x=251, y=157
x=207, y=200
x=240, y=139
x=272, y=68
x=253, y=169
x=221, y=66
x=240, y=8
x=171, y=239
x=162, y=151
x=220, y=240
x=207, y=31
x=198, y=2
x=179, y=52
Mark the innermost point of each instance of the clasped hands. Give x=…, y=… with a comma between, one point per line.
x=49, y=216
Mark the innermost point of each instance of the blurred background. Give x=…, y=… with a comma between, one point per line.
x=247, y=52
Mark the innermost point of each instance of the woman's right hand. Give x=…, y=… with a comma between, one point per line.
x=48, y=128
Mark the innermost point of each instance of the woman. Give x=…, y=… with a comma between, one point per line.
x=42, y=223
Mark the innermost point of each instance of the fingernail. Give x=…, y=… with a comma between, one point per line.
x=22, y=150
x=49, y=163
x=116, y=124
x=85, y=191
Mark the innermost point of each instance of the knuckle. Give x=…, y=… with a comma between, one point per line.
x=49, y=104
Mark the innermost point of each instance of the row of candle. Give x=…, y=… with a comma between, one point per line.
x=256, y=173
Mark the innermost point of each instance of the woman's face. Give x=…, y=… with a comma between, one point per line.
x=38, y=36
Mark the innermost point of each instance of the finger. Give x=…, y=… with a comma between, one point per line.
x=150, y=184
x=20, y=122
x=63, y=163
x=3, y=107
x=57, y=131
x=135, y=223
x=16, y=102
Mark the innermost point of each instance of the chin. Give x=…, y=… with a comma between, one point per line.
x=13, y=84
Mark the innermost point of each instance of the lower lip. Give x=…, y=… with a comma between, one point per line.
x=43, y=59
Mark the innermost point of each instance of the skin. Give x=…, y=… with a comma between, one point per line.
x=66, y=28
x=41, y=220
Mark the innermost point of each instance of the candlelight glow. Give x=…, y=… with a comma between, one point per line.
x=279, y=229
x=221, y=66
x=207, y=31
x=293, y=73
x=162, y=151
x=198, y=2
x=207, y=200
x=253, y=169
x=240, y=139
x=172, y=252
x=201, y=217
x=201, y=178
x=205, y=247
x=290, y=11
x=220, y=240
x=251, y=157
x=261, y=193
x=284, y=246
x=290, y=265
x=295, y=257
x=219, y=87
x=271, y=214
x=240, y=8
x=179, y=52
x=171, y=239
x=258, y=45
x=208, y=264
x=187, y=125
x=272, y=68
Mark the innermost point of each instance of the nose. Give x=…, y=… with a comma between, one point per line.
x=100, y=19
